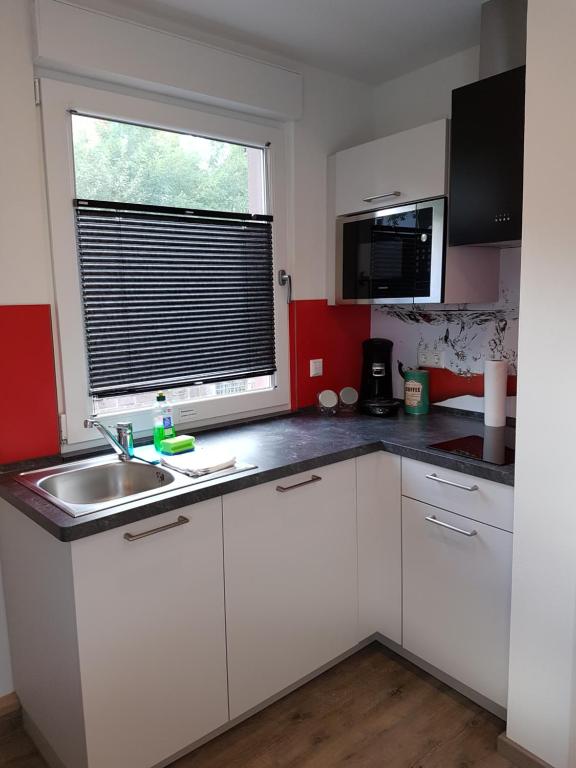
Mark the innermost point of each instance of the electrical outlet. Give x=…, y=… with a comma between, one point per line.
x=435, y=359
x=430, y=358
x=425, y=358
x=316, y=367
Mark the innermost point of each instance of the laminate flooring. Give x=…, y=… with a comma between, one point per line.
x=373, y=710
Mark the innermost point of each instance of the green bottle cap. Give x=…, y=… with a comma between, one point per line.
x=160, y=397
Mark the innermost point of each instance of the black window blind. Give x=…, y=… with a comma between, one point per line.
x=174, y=297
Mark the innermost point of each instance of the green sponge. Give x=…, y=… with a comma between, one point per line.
x=180, y=444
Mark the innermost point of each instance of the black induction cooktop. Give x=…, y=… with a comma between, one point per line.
x=495, y=446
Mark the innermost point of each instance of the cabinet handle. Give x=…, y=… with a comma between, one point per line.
x=381, y=197
x=284, y=488
x=434, y=519
x=454, y=485
x=135, y=536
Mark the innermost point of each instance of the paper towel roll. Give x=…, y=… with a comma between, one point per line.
x=495, y=383
x=494, y=448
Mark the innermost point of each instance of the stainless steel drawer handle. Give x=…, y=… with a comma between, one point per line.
x=284, y=488
x=135, y=536
x=381, y=197
x=454, y=485
x=434, y=519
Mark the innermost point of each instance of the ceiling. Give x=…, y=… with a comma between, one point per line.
x=369, y=40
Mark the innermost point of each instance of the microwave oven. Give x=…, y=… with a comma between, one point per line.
x=392, y=255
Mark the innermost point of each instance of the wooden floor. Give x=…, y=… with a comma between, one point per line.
x=373, y=710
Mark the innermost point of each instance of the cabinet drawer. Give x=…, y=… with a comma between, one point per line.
x=482, y=500
x=456, y=597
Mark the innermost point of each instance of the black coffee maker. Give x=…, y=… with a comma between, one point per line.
x=376, y=396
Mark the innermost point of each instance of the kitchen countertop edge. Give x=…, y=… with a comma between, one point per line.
x=67, y=529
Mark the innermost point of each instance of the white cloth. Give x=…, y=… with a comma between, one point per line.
x=200, y=462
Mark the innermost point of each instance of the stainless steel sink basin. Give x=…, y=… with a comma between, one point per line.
x=95, y=485
x=82, y=487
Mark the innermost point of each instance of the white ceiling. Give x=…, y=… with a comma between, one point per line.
x=370, y=40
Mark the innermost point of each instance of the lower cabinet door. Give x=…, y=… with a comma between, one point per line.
x=291, y=580
x=456, y=596
x=379, y=546
x=151, y=636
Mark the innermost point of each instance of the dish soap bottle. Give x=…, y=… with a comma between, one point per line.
x=163, y=420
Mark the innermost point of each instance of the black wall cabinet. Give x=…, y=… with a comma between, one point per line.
x=487, y=160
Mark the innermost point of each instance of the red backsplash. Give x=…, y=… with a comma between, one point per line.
x=334, y=334
x=29, y=410
x=445, y=384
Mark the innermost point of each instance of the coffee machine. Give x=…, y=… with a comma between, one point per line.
x=376, y=397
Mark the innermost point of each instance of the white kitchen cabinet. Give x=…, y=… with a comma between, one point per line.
x=456, y=596
x=412, y=162
x=127, y=648
x=379, y=546
x=151, y=636
x=484, y=500
x=291, y=580
x=121, y=653
x=395, y=171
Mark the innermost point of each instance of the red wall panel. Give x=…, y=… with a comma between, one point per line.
x=334, y=334
x=28, y=403
x=445, y=384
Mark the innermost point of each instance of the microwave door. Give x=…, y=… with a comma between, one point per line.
x=392, y=262
x=429, y=258
x=395, y=239
x=374, y=250
x=392, y=256
x=356, y=262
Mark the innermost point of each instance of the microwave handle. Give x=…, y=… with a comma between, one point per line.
x=381, y=197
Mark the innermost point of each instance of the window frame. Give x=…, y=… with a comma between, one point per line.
x=59, y=99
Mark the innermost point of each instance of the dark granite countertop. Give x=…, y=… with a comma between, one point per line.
x=279, y=447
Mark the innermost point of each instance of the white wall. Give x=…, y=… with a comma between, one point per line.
x=424, y=95
x=542, y=700
x=79, y=41
x=24, y=263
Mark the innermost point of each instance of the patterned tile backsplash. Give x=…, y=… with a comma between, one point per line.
x=463, y=336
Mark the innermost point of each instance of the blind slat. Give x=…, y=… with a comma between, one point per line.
x=173, y=298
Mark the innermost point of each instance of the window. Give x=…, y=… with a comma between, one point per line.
x=175, y=264
x=128, y=163
x=170, y=249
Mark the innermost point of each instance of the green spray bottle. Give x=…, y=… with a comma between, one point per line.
x=163, y=420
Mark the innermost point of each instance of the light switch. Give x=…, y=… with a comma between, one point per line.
x=316, y=367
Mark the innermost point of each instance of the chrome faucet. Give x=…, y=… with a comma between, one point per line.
x=122, y=445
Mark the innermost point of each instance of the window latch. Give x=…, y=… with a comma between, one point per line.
x=285, y=279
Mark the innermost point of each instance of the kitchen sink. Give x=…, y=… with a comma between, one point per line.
x=83, y=487
x=95, y=485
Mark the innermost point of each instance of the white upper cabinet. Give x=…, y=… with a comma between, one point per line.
x=291, y=580
x=412, y=163
x=151, y=636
